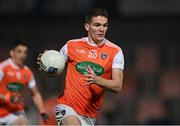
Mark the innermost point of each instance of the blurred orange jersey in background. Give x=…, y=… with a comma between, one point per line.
x=13, y=81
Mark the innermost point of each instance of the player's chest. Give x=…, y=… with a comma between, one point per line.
x=90, y=54
x=15, y=80
x=99, y=59
x=17, y=76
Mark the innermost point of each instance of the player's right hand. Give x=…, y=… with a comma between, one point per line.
x=45, y=117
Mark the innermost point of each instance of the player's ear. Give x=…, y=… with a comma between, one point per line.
x=11, y=53
x=86, y=26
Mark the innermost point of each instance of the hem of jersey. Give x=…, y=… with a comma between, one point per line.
x=3, y=115
x=118, y=68
x=78, y=112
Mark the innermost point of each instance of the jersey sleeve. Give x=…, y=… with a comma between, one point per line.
x=32, y=82
x=64, y=52
x=118, y=61
x=1, y=74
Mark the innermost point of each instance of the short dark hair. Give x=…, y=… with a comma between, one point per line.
x=96, y=12
x=18, y=42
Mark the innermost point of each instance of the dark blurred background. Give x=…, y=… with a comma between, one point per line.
x=146, y=30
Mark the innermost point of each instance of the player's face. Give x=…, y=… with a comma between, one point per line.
x=97, y=28
x=19, y=54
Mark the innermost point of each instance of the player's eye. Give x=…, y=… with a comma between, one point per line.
x=105, y=25
x=18, y=51
x=97, y=24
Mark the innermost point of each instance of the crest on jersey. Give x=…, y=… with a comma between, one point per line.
x=25, y=76
x=104, y=55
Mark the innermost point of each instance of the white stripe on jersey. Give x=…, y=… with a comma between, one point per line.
x=32, y=83
x=1, y=74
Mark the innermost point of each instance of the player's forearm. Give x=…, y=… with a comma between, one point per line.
x=38, y=102
x=114, y=85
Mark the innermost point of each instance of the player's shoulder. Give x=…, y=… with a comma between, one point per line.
x=112, y=45
x=77, y=40
x=27, y=69
x=28, y=72
x=5, y=63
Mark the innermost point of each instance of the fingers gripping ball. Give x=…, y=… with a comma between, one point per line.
x=52, y=62
x=45, y=117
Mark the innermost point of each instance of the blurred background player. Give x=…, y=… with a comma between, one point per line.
x=94, y=64
x=14, y=78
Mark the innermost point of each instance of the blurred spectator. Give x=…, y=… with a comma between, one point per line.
x=169, y=90
x=151, y=111
x=118, y=109
x=146, y=66
x=170, y=84
x=146, y=58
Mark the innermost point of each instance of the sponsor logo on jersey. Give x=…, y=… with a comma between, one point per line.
x=80, y=51
x=104, y=55
x=15, y=87
x=81, y=68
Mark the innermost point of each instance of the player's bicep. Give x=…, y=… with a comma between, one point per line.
x=117, y=74
x=34, y=90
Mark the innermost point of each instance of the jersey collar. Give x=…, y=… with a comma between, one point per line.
x=13, y=64
x=93, y=43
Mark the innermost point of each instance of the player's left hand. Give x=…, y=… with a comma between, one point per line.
x=90, y=77
x=45, y=117
x=15, y=99
x=38, y=62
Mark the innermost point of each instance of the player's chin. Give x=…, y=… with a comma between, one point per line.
x=20, y=63
x=100, y=39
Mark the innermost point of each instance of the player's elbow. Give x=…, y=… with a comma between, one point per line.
x=118, y=88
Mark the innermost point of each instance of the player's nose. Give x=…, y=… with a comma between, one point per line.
x=101, y=29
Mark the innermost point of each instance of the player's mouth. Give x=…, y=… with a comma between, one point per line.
x=101, y=35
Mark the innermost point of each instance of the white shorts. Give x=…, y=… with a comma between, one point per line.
x=63, y=111
x=12, y=117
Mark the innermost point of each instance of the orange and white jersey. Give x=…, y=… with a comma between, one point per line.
x=80, y=53
x=13, y=80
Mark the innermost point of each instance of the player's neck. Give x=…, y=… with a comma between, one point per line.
x=98, y=43
x=15, y=64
